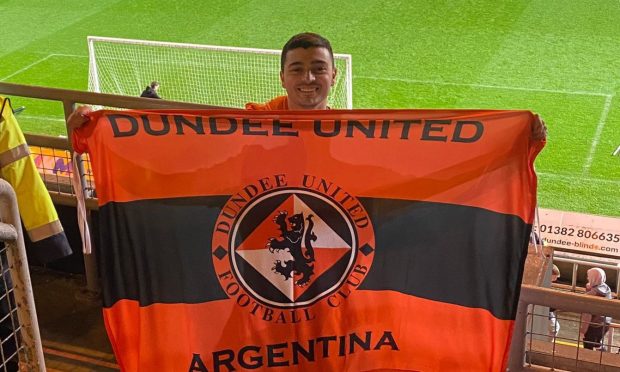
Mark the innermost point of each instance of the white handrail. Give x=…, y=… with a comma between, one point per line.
x=20, y=275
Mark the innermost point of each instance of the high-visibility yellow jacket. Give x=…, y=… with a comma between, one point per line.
x=35, y=204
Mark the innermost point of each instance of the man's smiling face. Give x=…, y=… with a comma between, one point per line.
x=308, y=76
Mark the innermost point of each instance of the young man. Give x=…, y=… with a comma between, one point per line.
x=151, y=91
x=307, y=72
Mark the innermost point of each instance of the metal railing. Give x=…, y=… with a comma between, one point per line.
x=589, y=263
x=52, y=157
x=21, y=341
x=567, y=301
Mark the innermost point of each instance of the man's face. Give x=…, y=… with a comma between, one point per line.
x=308, y=75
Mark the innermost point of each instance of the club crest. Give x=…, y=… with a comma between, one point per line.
x=290, y=247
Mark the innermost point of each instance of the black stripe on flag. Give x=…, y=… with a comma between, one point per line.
x=450, y=253
x=159, y=251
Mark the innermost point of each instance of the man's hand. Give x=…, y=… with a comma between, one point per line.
x=79, y=117
x=539, y=129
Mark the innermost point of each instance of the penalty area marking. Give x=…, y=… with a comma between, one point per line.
x=488, y=86
x=27, y=67
x=599, y=127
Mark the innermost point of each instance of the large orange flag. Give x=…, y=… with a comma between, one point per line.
x=328, y=240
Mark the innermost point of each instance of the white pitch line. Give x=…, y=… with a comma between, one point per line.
x=26, y=67
x=577, y=178
x=489, y=86
x=597, y=135
x=37, y=117
x=68, y=55
x=39, y=61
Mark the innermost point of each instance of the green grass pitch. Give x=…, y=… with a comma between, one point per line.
x=555, y=57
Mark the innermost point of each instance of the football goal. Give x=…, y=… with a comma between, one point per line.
x=209, y=74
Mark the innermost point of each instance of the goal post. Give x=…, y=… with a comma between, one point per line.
x=208, y=74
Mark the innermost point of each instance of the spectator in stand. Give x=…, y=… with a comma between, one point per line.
x=594, y=327
x=554, y=324
x=151, y=91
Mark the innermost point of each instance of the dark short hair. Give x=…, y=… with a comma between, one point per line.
x=305, y=40
x=154, y=84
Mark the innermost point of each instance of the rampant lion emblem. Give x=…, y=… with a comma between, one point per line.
x=301, y=264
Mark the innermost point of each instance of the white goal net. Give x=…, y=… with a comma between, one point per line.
x=208, y=74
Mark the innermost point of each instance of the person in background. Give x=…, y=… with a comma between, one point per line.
x=554, y=324
x=151, y=91
x=594, y=327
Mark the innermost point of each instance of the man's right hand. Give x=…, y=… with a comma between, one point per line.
x=79, y=117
